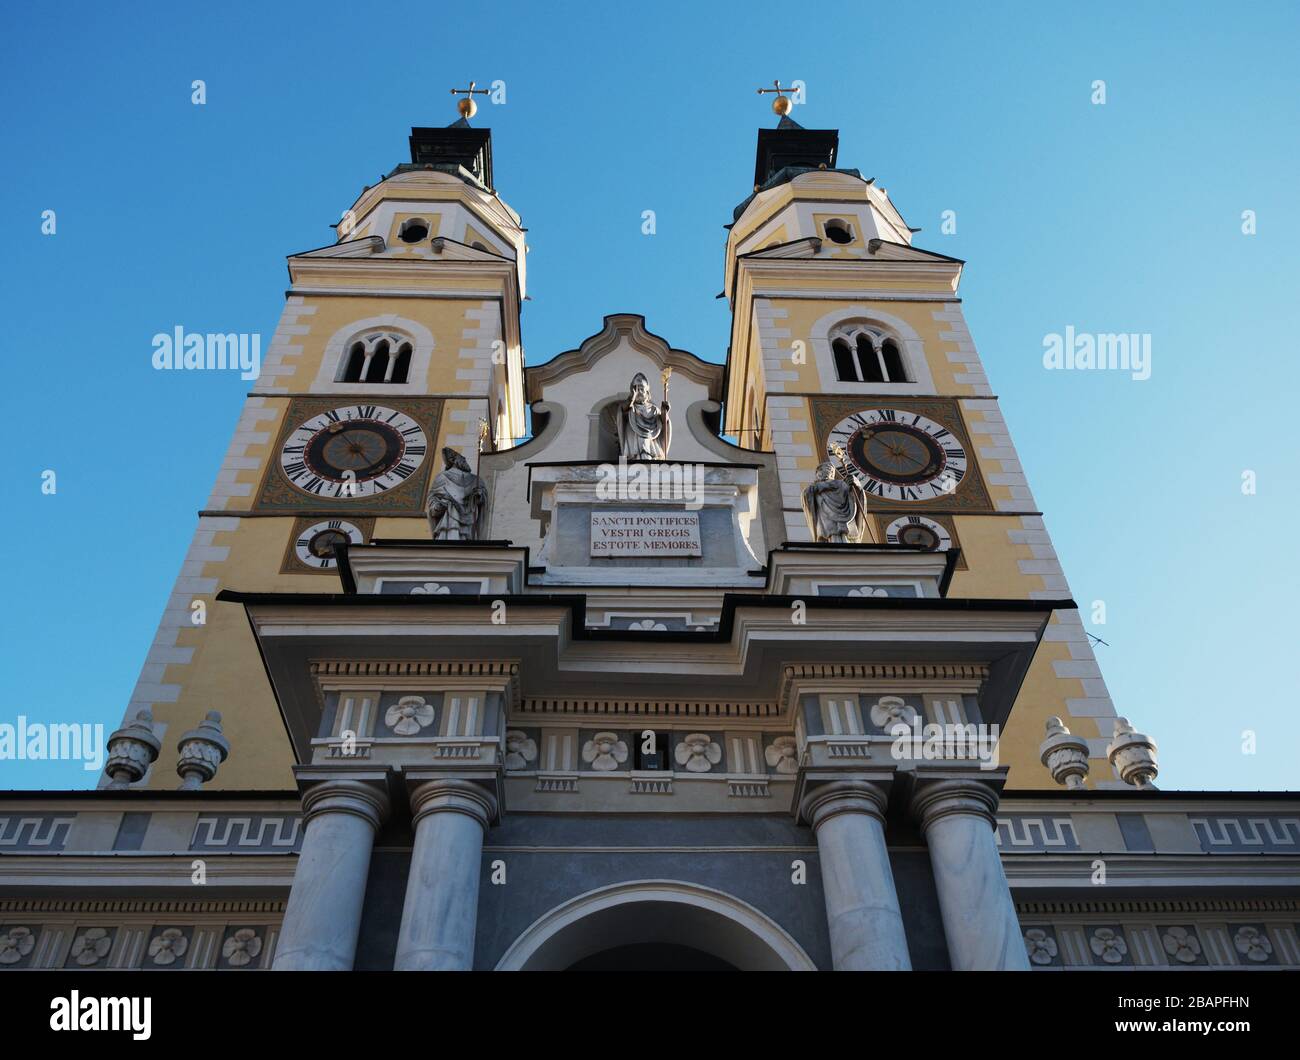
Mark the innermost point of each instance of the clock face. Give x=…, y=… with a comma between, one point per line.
x=353, y=451
x=916, y=531
x=315, y=545
x=898, y=455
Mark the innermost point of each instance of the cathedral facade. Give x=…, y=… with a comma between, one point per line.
x=627, y=658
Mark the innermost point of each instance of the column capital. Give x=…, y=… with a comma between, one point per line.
x=450, y=795
x=936, y=794
x=869, y=795
x=355, y=797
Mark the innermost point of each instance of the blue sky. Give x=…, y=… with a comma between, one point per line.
x=1124, y=217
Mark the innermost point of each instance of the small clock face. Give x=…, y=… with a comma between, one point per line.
x=315, y=545
x=916, y=531
x=354, y=451
x=898, y=455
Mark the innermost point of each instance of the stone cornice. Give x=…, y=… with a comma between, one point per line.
x=99, y=906
x=665, y=708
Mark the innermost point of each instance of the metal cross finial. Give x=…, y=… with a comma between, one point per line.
x=467, y=107
x=781, y=105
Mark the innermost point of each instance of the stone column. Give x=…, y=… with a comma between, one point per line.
x=441, y=909
x=866, y=927
x=323, y=917
x=957, y=816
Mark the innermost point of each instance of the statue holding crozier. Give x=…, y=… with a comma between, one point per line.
x=836, y=506
x=456, y=501
x=644, y=430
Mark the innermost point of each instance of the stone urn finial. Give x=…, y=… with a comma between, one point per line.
x=202, y=750
x=132, y=750
x=1065, y=755
x=1133, y=755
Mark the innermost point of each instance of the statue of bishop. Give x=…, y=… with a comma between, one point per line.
x=644, y=429
x=836, y=507
x=456, y=501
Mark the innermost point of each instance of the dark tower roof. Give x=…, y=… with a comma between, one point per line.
x=458, y=149
x=788, y=150
x=790, y=145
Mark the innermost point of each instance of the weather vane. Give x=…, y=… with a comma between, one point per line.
x=467, y=107
x=781, y=105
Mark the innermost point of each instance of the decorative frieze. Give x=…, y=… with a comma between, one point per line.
x=1025, y=832
x=247, y=832
x=159, y=935
x=43, y=833
x=1162, y=933
x=1239, y=833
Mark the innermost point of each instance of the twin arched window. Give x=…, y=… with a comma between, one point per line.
x=377, y=357
x=864, y=354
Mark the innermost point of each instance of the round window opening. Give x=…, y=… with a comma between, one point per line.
x=838, y=231
x=414, y=230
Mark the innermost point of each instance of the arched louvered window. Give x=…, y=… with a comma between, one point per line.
x=376, y=357
x=865, y=354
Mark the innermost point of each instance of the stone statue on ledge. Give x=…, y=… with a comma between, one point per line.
x=456, y=501
x=644, y=429
x=836, y=507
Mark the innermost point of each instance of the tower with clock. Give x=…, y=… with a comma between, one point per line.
x=848, y=344
x=396, y=340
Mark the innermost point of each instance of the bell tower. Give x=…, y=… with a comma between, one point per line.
x=398, y=340
x=848, y=344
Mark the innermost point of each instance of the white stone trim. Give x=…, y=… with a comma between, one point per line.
x=773, y=345
x=968, y=370
x=475, y=353
x=247, y=433
x=278, y=358
x=998, y=459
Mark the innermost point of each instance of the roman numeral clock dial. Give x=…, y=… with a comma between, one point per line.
x=353, y=451
x=314, y=547
x=900, y=456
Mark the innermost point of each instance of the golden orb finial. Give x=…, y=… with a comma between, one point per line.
x=782, y=105
x=466, y=107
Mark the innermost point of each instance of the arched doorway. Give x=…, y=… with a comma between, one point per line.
x=662, y=925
